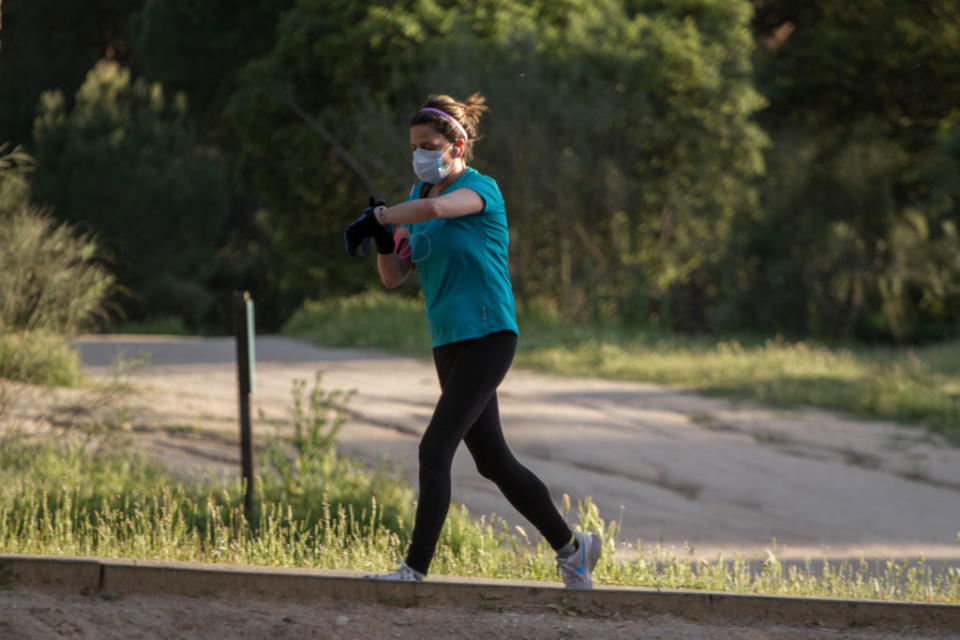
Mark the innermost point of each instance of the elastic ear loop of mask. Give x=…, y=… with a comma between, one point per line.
x=414, y=252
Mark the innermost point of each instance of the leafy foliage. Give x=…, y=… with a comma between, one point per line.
x=858, y=236
x=198, y=47
x=125, y=162
x=628, y=137
x=834, y=63
x=49, y=44
x=626, y=178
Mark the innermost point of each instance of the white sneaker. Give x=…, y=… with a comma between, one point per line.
x=402, y=574
x=577, y=567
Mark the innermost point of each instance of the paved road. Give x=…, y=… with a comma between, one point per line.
x=674, y=467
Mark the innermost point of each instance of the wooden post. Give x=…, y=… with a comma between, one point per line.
x=246, y=361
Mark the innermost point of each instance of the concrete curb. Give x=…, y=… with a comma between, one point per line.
x=94, y=575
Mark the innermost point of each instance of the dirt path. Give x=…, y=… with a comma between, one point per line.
x=675, y=467
x=32, y=613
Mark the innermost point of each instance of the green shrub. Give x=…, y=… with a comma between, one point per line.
x=51, y=285
x=15, y=164
x=374, y=319
x=49, y=278
x=39, y=357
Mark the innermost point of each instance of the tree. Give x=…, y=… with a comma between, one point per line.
x=620, y=135
x=49, y=45
x=198, y=46
x=125, y=164
x=851, y=200
x=832, y=63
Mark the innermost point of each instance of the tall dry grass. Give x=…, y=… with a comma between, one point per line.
x=52, y=285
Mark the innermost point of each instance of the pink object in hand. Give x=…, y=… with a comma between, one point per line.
x=401, y=245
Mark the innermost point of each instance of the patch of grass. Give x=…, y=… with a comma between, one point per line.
x=181, y=429
x=318, y=509
x=81, y=502
x=906, y=385
x=305, y=472
x=39, y=358
x=49, y=275
x=918, y=385
x=371, y=320
x=52, y=285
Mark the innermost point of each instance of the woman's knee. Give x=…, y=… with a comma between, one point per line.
x=494, y=468
x=433, y=455
x=486, y=469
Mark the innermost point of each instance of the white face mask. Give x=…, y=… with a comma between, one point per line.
x=429, y=167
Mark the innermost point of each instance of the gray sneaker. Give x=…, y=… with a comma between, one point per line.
x=402, y=574
x=577, y=567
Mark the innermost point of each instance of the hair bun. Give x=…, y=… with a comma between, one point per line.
x=474, y=107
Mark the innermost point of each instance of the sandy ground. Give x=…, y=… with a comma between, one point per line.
x=38, y=614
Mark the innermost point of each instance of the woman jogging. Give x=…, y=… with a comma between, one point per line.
x=455, y=235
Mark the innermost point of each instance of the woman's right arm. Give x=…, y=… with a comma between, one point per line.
x=393, y=270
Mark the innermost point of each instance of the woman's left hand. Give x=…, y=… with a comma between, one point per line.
x=357, y=235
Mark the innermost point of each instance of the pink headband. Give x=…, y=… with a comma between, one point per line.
x=449, y=117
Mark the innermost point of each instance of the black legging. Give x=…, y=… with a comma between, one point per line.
x=469, y=373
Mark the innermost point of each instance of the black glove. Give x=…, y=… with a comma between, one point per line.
x=358, y=234
x=384, y=239
x=383, y=235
